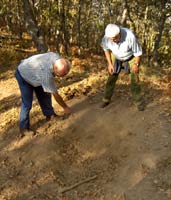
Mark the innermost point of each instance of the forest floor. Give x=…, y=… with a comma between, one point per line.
x=116, y=153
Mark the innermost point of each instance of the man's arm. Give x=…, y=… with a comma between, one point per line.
x=135, y=67
x=62, y=103
x=109, y=61
x=137, y=52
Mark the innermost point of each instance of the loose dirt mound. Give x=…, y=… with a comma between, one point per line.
x=116, y=153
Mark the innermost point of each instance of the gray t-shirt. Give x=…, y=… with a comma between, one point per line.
x=37, y=70
x=127, y=46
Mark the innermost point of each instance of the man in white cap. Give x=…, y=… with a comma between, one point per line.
x=122, y=51
x=37, y=74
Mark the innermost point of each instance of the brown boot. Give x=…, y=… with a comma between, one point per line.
x=104, y=104
x=140, y=106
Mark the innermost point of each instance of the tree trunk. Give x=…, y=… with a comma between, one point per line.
x=18, y=17
x=79, y=24
x=121, y=19
x=38, y=34
x=64, y=34
x=158, y=39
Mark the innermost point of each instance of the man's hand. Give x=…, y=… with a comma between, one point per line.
x=67, y=113
x=110, y=69
x=135, y=68
x=67, y=110
x=61, y=102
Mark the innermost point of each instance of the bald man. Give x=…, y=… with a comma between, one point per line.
x=36, y=74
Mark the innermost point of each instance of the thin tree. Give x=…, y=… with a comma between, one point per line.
x=37, y=33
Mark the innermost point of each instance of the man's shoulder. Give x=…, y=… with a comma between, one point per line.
x=128, y=34
x=50, y=53
x=127, y=30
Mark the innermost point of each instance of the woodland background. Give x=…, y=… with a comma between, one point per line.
x=76, y=26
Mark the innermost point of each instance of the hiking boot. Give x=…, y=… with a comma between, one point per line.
x=140, y=106
x=104, y=104
x=26, y=132
x=48, y=118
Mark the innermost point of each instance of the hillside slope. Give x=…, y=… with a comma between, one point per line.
x=116, y=153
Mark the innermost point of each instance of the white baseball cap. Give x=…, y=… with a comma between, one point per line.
x=112, y=30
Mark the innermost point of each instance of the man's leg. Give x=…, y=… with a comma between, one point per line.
x=45, y=101
x=27, y=97
x=136, y=89
x=110, y=85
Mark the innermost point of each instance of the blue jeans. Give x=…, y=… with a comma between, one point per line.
x=27, y=90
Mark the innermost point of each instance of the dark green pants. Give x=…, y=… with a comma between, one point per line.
x=135, y=86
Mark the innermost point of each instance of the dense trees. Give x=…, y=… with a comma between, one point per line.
x=66, y=23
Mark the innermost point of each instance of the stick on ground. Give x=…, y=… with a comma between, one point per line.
x=76, y=184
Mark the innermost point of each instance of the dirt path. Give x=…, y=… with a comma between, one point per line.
x=117, y=153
